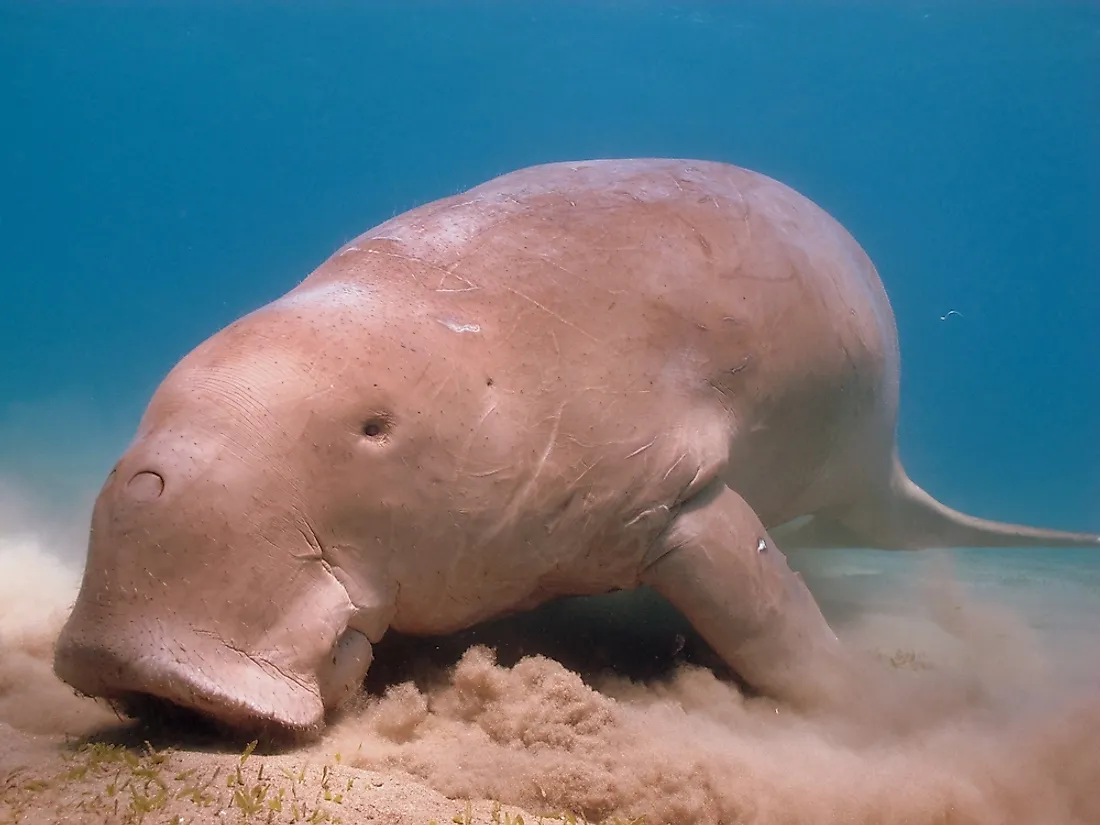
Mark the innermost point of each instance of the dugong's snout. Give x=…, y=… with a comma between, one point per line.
x=146, y=678
x=160, y=673
x=189, y=604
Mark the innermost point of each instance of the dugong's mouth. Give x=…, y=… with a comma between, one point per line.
x=243, y=694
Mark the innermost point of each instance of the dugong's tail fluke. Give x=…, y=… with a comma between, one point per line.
x=902, y=516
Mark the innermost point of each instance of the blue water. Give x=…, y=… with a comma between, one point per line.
x=167, y=166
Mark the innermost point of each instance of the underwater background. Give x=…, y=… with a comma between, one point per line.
x=168, y=166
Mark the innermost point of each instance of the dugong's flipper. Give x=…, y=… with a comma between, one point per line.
x=717, y=565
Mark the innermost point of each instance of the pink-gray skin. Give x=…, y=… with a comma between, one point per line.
x=573, y=379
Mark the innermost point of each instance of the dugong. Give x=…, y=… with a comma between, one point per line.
x=573, y=379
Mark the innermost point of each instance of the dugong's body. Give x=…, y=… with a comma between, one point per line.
x=573, y=379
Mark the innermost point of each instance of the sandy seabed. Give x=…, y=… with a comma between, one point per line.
x=987, y=711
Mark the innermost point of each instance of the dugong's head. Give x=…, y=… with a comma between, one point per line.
x=241, y=557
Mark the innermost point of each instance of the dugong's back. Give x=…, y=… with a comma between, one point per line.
x=643, y=302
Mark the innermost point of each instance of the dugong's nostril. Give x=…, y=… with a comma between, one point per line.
x=145, y=486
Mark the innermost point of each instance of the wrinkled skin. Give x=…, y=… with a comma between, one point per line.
x=570, y=380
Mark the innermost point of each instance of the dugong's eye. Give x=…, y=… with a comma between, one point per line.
x=376, y=427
